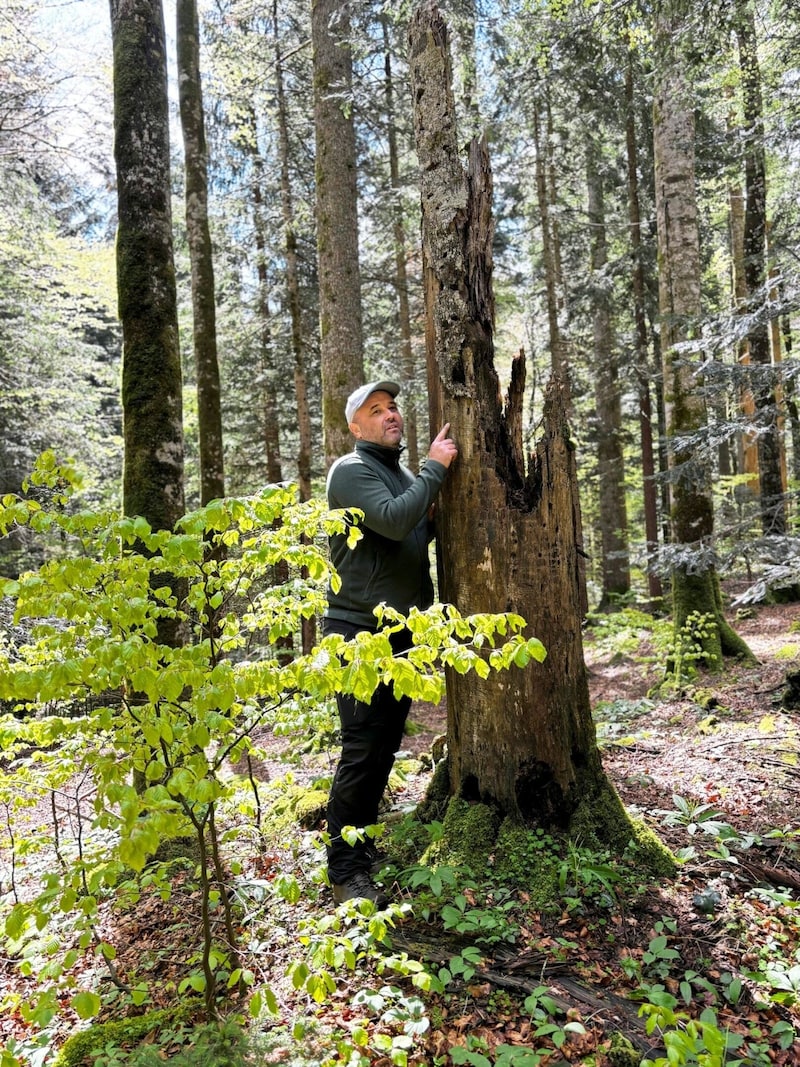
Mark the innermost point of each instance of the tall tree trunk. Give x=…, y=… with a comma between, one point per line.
x=308, y=626
x=526, y=743
x=293, y=280
x=341, y=331
x=643, y=369
x=409, y=370
x=267, y=371
x=562, y=302
x=773, y=509
x=695, y=584
x=558, y=356
x=464, y=17
x=615, y=569
x=266, y=353
x=190, y=95
x=772, y=506
x=151, y=366
x=790, y=390
x=776, y=344
x=152, y=403
x=747, y=450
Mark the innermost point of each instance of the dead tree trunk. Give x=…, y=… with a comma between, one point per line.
x=509, y=530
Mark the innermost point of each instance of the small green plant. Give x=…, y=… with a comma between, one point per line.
x=501, y=1002
x=693, y=983
x=682, y=652
x=782, y=980
x=431, y=883
x=583, y=875
x=658, y=958
x=530, y=858
x=472, y=1053
x=613, y=718
x=543, y=1011
x=688, y=1041
x=731, y=988
x=460, y=968
x=486, y=926
x=789, y=838
x=701, y=1041
x=695, y=816
x=621, y=633
x=395, y=1009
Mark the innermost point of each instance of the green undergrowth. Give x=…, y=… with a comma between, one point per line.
x=244, y=917
x=143, y=1040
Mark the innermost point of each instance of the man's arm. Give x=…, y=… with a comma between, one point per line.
x=357, y=485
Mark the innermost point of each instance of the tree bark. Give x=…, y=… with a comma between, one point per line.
x=695, y=584
x=790, y=390
x=509, y=532
x=464, y=17
x=151, y=367
x=209, y=412
x=643, y=369
x=308, y=626
x=773, y=508
x=293, y=280
x=747, y=451
x=615, y=569
x=558, y=355
x=270, y=420
x=341, y=331
x=407, y=361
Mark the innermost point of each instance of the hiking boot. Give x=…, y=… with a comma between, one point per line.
x=359, y=887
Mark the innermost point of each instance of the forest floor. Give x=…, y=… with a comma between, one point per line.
x=715, y=768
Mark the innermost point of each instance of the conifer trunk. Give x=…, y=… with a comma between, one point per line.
x=695, y=584
x=407, y=362
x=550, y=254
x=341, y=330
x=266, y=379
x=643, y=369
x=304, y=431
x=773, y=507
x=615, y=569
x=746, y=450
x=294, y=301
x=209, y=411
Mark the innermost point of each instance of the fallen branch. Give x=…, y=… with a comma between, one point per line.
x=610, y=1012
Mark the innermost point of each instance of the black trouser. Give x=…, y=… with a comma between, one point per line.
x=371, y=735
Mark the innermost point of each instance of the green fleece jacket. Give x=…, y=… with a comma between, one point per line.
x=389, y=565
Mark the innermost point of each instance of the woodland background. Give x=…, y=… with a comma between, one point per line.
x=563, y=94
x=570, y=99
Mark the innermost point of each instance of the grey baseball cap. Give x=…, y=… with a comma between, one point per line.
x=358, y=396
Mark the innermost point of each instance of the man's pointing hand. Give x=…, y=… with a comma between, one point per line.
x=443, y=448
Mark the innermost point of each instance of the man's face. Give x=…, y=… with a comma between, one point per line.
x=378, y=421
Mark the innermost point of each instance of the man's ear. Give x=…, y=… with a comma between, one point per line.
x=355, y=429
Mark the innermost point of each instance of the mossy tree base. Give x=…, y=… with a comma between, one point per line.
x=478, y=837
x=699, y=597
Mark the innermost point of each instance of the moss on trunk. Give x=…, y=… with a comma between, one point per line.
x=478, y=838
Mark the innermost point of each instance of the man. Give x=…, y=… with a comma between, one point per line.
x=389, y=565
